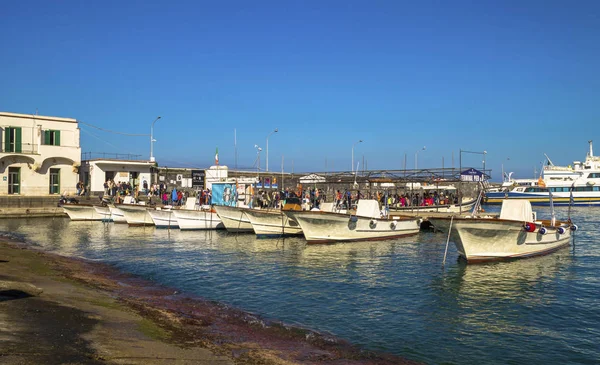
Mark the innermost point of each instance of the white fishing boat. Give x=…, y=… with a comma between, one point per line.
x=104, y=212
x=577, y=184
x=268, y=223
x=197, y=217
x=367, y=224
x=234, y=219
x=163, y=217
x=81, y=212
x=515, y=233
x=116, y=214
x=136, y=215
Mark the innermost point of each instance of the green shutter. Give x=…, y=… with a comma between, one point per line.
x=46, y=137
x=7, y=139
x=18, y=140
x=57, y=138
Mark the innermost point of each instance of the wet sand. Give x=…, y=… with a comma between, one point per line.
x=59, y=310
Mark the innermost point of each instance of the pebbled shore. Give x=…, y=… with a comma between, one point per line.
x=57, y=310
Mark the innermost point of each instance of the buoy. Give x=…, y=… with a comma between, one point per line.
x=561, y=230
x=574, y=227
x=393, y=225
x=373, y=223
x=529, y=227
x=543, y=230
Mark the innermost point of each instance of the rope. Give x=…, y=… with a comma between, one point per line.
x=109, y=131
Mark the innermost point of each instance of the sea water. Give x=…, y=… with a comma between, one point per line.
x=390, y=296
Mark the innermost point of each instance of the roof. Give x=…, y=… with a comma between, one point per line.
x=40, y=117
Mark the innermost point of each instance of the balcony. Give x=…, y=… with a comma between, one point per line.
x=26, y=149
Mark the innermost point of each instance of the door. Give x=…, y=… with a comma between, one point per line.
x=54, y=181
x=14, y=180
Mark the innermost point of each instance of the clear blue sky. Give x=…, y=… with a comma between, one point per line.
x=513, y=78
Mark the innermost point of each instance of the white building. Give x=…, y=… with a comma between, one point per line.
x=39, y=155
x=95, y=172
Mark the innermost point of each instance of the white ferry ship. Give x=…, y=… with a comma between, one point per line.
x=577, y=184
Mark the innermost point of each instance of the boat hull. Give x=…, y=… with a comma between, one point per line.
x=136, y=215
x=489, y=239
x=583, y=199
x=197, y=219
x=163, y=218
x=104, y=212
x=234, y=219
x=117, y=215
x=81, y=212
x=325, y=227
x=272, y=223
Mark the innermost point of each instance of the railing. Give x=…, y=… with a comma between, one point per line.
x=113, y=156
x=26, y=149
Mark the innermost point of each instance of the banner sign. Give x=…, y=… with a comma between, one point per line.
x=472, y=175
x=198, y=179
x=274, y=183
x=224, y=194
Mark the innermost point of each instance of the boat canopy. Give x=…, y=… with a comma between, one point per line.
x=517, y=210
x=368, y=208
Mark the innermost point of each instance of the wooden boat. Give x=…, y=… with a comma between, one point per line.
x=195, y=217
x=515, y=233
x=268, y=223
x=104, y=212
x=163, y=217
x=82, y=212
x=367, y=224
x=136, y=215
x=233, y=218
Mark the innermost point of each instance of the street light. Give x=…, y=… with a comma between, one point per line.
x=258, y=149
x=275, y=131
x=417, y=156
x=359, y=141
x=152, y=140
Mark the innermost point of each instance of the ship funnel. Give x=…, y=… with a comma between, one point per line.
x=591, y=148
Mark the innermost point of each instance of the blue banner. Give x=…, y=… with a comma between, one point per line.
x=224, y=194
x=472, y=175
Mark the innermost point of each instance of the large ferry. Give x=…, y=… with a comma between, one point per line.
x=577, y=184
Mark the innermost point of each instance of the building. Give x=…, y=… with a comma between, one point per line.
x=39, y=155
x=95, y=172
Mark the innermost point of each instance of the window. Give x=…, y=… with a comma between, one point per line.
x=52, y=138
x=54, y=181
x=14, y=180
x=12, y=139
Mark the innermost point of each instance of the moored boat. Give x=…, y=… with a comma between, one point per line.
x=515, y=233
x=189, y=219
x=233, y=218
x=136, y=215
x=163, y=218
x=367, y=224
x=81, y=212
x=272, y=223
x=104, y=212
x=577, y=184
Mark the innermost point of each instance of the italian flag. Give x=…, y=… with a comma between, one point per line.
x=217, y=156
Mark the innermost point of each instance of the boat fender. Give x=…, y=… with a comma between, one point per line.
x=353, y=218
x=393, y=225
x=373, y=223
x=543, y=230
x=574, y=227
x=529, y=227
x=561, y=230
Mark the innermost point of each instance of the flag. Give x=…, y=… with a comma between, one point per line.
x=217, y=157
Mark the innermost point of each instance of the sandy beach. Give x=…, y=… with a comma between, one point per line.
x=59, y=310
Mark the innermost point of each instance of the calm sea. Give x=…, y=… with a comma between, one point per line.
x=392, y=296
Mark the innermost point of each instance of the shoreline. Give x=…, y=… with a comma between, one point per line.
x=129, y=320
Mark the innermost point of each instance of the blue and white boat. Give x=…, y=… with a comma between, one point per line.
x=577, y=184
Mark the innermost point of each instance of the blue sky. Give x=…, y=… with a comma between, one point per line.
x=514, y=78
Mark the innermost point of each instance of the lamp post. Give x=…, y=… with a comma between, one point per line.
x=275, y=131
x=152, y=140
x=417, y=155
x=258, y=149
x=352, y=167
